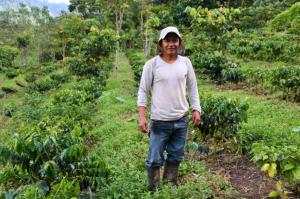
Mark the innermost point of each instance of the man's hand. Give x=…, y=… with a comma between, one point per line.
x=196, y=118
x=143, y=122
x=143, y=125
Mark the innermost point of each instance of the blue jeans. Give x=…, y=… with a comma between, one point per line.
x=169, y=136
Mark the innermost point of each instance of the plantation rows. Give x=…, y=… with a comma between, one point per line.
x=48, y=155
x=285, y=79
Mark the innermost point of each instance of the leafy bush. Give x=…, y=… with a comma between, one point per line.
x=221, y=117
x=30, y=191
x=284, y=20
x=30, y=77
x=21, y=83
x=265, y=47
x=60, y=77
x=286, y=79
x=65, y=189
x=42, y=86
x=9, y=109
x=9, y=89
x=46, y=153
x=232, y=75
x=278, y=159
x=210, y=64
x=295, y=26
x=252, y=17
x=7, y=56
x=48, y=68
x=98, y=43
x=68, y=96
x=46, y=56
x=217, y=67
x=11, y=74
x=91, y=87
x=2, y=94
x=137, y=62
x=81, y=67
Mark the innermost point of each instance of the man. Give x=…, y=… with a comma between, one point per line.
x=167, y=75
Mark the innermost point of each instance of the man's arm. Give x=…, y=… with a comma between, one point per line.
x=193, y=95
x=144, y=87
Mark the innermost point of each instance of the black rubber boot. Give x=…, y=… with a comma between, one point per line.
x=153, y=178
x=171, y=172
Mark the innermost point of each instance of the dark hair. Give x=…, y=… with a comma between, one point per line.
x=180, y=51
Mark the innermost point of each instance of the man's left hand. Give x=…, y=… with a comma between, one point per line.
x=196, y=118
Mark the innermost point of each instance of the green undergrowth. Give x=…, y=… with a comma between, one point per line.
x=271, y=134
x=124, y=149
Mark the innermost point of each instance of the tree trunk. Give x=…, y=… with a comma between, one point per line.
x=119, y=20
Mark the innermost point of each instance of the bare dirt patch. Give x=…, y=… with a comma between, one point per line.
x=242, y=174
x=256, y=90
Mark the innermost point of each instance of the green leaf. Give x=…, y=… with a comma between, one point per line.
x=288, y=167
x=296, y=173
x=279, y=186
x=273, y=194
x=120, y=99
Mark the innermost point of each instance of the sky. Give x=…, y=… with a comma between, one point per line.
x=59, y=1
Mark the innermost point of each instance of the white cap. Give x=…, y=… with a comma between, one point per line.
x=168, y=30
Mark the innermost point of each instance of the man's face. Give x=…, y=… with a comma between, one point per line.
x=170, y=44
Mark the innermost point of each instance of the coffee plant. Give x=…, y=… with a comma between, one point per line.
x=7, y=56
x=221, y=117
x=217, y=67
x=137, y=62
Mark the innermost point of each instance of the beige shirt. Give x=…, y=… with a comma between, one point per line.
x=169, y=83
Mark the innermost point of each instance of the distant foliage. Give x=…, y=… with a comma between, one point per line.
x=286, y=79
x=217, y=67
x=254, y=17
x=43, y=85
x=287, y=19
x=7, y=56
x=137, y=62
x=265, y=47
x=217, y=24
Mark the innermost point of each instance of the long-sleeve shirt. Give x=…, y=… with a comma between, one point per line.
x=168, y=83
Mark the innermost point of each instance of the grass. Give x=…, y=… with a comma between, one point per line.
x=257, y=64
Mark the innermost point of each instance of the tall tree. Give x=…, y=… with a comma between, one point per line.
x=118, y=8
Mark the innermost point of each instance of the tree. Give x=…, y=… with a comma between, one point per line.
x=118, y=8
x=151, y=23
x=23, y=41
x=215, y=23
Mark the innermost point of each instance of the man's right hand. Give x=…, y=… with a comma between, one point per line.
x=143, y=122
x=143, y=125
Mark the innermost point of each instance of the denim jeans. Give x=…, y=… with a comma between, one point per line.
x=169, y=136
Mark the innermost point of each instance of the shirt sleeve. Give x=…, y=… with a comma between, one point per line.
x=192, y=87
x=145, y=84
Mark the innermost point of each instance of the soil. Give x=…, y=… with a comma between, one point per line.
x=243, y=86
x=242, y=174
